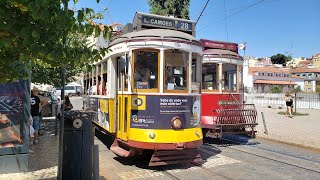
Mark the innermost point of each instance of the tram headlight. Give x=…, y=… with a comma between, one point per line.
x=176, y=122
x=152, y=135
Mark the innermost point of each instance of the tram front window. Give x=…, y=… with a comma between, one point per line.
x=209, y=76
x=229, y=78
x=145, y=69
x=176, y=63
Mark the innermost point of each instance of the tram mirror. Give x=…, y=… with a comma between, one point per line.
x=123, y=64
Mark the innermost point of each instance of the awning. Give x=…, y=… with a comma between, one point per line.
x=260, y=81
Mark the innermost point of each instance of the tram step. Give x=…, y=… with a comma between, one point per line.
x=118, y=148
x=175, y=157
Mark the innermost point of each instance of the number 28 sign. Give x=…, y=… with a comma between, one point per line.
x=184, y=25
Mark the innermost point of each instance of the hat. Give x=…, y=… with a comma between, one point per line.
x=35, y=89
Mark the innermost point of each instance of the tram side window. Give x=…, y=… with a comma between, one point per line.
x=196, y=73
x=146, y=69
x=210, y=76
x=229, y=73
x=176, y=64
x=104, y=70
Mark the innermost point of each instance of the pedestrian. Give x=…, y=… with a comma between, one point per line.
x=67, y=104
x=289, y=103
x=43, y=102
x=58, y=107
x=35, y=107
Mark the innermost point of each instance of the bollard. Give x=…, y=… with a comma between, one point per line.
x=77, y=146
x=264, y=123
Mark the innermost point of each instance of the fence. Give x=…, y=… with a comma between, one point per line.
x=311, y=101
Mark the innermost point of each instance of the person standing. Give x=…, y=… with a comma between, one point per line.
x=35, y=113
x=67, y=104
x=289, y=103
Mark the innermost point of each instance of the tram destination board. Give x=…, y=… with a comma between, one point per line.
x=167, y=23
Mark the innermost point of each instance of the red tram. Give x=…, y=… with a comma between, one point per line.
x=223, y=108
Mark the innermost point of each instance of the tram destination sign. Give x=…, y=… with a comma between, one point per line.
x=166, y=22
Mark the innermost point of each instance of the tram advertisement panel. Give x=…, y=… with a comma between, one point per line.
x=12, y=114
x=157, y=112
x=103, y=114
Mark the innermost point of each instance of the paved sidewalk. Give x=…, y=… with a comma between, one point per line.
x=299, y=130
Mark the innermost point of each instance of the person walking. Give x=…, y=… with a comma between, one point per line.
x=289, y=103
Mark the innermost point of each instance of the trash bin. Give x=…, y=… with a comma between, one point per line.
x=77, y=145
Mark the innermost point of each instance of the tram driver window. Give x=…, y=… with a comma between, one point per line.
x=229, y=79
x=175, y=70
x=209, y=76
x=145, y=69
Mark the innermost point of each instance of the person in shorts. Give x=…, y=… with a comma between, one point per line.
x=289, y=103
x=35, y=106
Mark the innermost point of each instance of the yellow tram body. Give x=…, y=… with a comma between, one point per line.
x=148, y=94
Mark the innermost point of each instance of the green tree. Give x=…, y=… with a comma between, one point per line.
x=178, y=8
x=275, y=89
x=297, y=89
x=34, y=32
x=280, y=59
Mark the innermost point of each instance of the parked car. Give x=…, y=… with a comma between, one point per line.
x=70, y=90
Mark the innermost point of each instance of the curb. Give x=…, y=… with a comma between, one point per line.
x=289, y=143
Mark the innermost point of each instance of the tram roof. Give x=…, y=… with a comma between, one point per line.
x=221, y=53
x=155, y=34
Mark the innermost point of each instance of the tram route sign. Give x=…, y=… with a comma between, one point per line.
x=148, y=21
x=156, y=21
x=168, y=23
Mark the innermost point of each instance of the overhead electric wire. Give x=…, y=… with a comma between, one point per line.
x=202, y=11
x=225, y=18
x=237, y=12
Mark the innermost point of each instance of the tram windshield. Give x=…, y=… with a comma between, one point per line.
x=210, y=76
x=229, y=77
x=176, y=65
x=146, y=69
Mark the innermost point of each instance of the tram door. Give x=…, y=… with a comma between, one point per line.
x=123, y=99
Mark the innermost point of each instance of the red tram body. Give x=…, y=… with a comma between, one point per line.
x=223, y=109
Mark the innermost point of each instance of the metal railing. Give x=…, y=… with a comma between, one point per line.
x=311, y=101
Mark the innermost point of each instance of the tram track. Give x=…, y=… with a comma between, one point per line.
x=206, y=170
x=273, y=151
x=261, y=156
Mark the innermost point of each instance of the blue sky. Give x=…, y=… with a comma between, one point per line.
x=269, y=27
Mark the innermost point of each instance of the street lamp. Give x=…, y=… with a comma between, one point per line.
x=243, y=47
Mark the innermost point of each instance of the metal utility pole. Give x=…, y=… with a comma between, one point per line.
x=202, y=11
x=63, y=69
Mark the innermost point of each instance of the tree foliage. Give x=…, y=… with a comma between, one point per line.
x=280, y=59
x=33, y=32
x=275, y=89
x=178, y=8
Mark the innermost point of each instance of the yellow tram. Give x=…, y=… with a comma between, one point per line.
x=147, y=90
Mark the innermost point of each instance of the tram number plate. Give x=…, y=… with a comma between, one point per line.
x=184, y=25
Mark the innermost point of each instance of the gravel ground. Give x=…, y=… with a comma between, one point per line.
x=299, y=130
